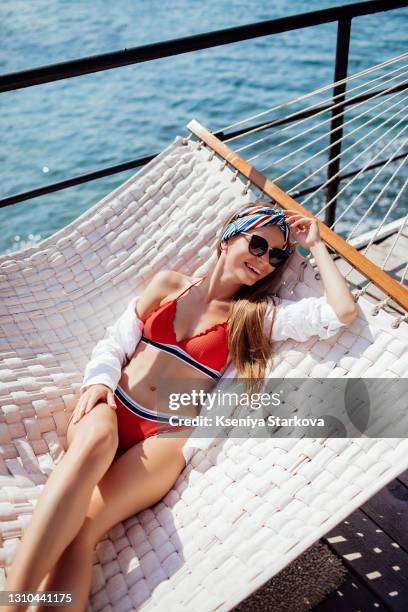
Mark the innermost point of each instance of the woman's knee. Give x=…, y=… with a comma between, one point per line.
x=101, y=435
x=96, y=434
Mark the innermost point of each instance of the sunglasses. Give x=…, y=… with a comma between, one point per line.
x=258, y=245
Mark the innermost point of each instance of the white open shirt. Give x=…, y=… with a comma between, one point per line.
x=298, y=320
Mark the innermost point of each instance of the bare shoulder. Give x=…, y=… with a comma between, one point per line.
x=162, y=285
x=170, y=281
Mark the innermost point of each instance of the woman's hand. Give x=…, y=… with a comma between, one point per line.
x=337, y=293
x=91, y=397
x=305, y=229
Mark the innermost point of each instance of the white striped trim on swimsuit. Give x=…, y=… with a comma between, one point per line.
x=178, y=352
x=142, y=411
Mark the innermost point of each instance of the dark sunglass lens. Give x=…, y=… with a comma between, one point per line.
x=258, y=245
x=277, y=257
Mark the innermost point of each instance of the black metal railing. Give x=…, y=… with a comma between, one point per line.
x=107, y=61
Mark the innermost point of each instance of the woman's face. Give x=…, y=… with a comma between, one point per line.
x=239, y=260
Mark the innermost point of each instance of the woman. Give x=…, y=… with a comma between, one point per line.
x=219, y=320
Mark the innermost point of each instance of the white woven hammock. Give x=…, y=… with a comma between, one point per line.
x=240, y=511
x=236, y=515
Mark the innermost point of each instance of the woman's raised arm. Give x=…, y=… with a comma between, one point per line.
x=338, y=295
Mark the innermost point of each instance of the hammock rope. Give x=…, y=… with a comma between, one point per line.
x=310, y=143
x=361, y=172
x=376, y=199
x=322, y=112
x=354, y=144
x=327, y=87
x=392, y=247
x=325, y=165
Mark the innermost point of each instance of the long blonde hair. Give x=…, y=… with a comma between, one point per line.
x=249, y=347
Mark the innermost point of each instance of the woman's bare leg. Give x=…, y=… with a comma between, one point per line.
x=135, y=481
x=61, y=507
x=43, y=583
x=75, y=565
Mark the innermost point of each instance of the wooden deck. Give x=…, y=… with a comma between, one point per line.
x=372, y=543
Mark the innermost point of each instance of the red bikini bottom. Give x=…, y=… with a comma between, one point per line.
x=133, y=427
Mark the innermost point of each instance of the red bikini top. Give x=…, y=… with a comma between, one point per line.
x=207, y=351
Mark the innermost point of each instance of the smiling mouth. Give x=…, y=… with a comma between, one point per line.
x=252, y=270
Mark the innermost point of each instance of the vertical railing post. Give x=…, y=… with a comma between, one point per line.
x=336, y=124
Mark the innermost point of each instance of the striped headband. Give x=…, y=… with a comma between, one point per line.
x=256, y=216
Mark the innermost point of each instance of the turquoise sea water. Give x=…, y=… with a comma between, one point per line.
x=59, y=130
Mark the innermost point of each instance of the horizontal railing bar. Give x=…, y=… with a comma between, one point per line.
x=144, y=53
x=85, y=178
x=91, y=176
x=77, y=180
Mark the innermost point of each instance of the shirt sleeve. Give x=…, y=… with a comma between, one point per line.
x=117, y=346
x=312, y=316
